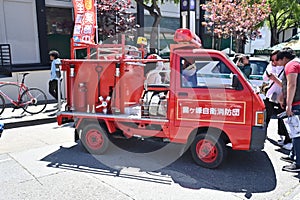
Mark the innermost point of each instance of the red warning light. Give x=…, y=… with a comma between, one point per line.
x=184, y=35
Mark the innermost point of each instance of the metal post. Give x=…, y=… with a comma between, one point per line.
x=158, y=39
x=230, y=48
x=97, y=39
x=213, y=38
x=58, y=74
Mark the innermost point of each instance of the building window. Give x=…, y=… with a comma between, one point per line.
x=59, y=29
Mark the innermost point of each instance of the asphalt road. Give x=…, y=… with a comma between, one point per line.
x=43, y=162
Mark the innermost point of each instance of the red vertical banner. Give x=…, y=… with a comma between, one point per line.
x=85, y=21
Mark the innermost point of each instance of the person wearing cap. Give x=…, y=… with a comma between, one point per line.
x=54, y=57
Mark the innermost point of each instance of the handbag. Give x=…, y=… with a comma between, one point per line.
x=264, y=88
x=292, y=125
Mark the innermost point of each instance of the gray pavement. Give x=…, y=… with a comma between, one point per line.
x=43, y=161
x=19, y=118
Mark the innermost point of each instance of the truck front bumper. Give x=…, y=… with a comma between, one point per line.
x=258, y=137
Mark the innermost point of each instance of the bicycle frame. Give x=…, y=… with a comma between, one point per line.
x=22, y=88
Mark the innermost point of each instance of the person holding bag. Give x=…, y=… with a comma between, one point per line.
x=291, y=97
x=274, y=71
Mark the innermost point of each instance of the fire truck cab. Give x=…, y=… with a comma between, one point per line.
x=200, y=99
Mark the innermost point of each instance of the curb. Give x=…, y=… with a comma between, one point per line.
x=33, y=122
x=18, y=119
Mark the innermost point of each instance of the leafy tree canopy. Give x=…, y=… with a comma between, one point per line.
x=284, y=15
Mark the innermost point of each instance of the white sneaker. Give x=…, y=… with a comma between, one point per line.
x=288, y=146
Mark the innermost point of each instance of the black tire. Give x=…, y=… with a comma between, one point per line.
x=94, y=139
x=76, y=135
x=38, y=100
x=2, y=104
x=208, y=151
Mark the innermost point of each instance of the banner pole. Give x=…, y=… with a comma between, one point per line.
x=96, y=27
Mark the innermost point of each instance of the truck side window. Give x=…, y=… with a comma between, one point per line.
x=212, y=73
x=188, y=73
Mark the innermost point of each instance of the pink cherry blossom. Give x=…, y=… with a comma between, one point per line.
x=234, y=17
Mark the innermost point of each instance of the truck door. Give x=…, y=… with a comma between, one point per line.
x=205, y=95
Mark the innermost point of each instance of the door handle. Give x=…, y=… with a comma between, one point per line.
x=183, y=94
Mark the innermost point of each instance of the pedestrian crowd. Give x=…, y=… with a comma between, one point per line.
x=282, y=99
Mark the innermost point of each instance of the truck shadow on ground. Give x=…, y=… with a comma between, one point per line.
x=245, y=172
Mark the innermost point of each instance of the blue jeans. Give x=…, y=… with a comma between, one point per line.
x=295, y=152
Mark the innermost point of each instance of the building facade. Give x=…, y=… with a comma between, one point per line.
x=33, y=27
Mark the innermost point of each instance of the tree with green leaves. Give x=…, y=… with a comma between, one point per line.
x=152, y=6
x=284, y=15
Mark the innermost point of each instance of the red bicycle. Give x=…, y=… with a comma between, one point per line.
x=32, y=100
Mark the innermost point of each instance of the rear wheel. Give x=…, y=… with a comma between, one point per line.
x=35, y=100
x=2, y=104
x=208, y=151
x=94, y=139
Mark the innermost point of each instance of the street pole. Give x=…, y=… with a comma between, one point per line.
x=213, y=38
x=96, y=27
x=58, y=75
x=230, y=44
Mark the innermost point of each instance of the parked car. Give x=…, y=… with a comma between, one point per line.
x=258, y=66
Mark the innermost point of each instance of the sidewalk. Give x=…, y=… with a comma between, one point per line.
x=20, y=118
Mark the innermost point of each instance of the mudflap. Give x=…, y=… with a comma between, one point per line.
x=63, y=118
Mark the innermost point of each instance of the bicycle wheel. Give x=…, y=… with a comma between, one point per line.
x=12, y=90
x=34, y=100
x=2, y=104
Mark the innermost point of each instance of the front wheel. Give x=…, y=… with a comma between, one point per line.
x=33, y=100
x=208, y=151
x=94, y=139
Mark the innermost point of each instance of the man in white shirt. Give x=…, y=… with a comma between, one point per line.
x=271, y=102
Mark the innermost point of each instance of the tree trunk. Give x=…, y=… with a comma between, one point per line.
x=154, y=34
x=218, y=43
x=154, y=11
x=239, y=46
x=274, y=37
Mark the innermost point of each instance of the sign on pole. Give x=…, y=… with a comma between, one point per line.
x=85, y=21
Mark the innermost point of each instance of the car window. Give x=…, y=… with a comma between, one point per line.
x=258, y=67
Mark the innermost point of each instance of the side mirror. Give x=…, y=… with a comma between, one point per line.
x=235, y=81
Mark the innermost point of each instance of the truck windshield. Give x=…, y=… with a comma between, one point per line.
x=205, y=72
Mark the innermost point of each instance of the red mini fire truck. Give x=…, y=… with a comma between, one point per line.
x=200, y=98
